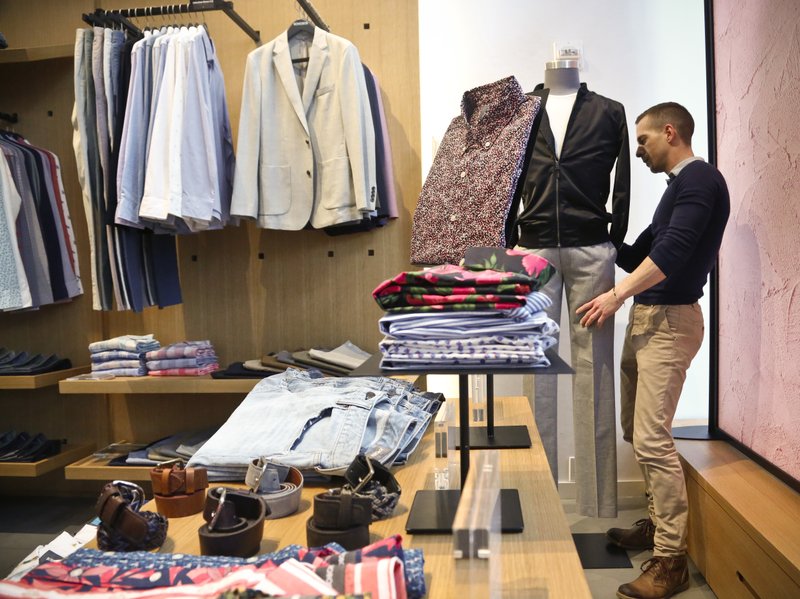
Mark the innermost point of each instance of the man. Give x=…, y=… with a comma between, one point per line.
x=669, y=265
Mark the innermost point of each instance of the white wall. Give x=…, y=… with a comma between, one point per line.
x=638, y=53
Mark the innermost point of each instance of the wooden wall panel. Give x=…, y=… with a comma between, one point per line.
x=247, y=290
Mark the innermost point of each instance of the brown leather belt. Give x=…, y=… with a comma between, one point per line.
x=122, y=526
x=234, y=523
x=179, y=491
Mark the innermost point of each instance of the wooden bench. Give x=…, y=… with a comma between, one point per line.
x=744, y=523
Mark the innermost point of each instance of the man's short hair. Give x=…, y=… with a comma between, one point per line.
x=671, y=113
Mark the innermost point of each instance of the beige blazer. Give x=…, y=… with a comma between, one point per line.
x=306, y=148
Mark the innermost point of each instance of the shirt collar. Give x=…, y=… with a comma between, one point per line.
x=491, y=106
x=680, y=166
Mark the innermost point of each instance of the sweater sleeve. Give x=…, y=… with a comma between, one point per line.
x=690, y=216
x=631, y=256
x=621, y=195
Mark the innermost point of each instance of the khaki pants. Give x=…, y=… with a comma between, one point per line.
x=660, y=343
x=583, y=273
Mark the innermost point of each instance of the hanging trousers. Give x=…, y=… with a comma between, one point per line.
x=582, y=273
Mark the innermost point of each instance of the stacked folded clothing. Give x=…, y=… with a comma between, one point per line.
x=187, y=358
x=319, y=425
x=22, y=363
x=382, y=570
x=24, y=447
x=340, y=361
x=180, y=446
x=488, y=312
x=123, y=355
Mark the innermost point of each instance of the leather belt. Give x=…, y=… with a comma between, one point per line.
x=122, y=526
x=344, y=515
x=234, y=523
x=280, y=486
x=369, y=477
x=179, y=491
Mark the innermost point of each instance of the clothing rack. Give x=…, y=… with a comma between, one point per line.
x=193, y=6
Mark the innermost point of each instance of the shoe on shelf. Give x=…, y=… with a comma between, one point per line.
x=661, y=577
x=638, y=536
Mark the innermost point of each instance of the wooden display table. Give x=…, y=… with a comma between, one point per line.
x=539, y=562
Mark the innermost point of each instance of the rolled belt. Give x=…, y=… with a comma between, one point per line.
x=369, y=477
x=179, y=491
x=234, y=523
x=280, y=486
x=122, y=526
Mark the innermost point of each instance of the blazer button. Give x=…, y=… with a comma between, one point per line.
x=308, y=143
x=308, y=173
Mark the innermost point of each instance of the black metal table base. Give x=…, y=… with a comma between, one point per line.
x=504, y=437
x=433, y=512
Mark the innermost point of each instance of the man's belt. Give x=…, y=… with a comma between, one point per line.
x=179, y=491
x=122, y=526
x=279, y=485
x=369, y=477
x=344, y=515
x=234, y=523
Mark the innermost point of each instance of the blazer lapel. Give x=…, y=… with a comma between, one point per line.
x=318, y=54
x=283, y=65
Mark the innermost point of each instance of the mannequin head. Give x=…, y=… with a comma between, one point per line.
x=664, y=136
x=562, y=77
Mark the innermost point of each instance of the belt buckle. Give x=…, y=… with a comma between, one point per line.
x=363, y=481
x=136, y=493
x=262, y=465
x=177, y=463
x=223, y=492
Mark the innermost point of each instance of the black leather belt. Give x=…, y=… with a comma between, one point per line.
x=179, y=491
x=369, y=477
x=234, y=523
x=122, y=526
x=344, y=515
x=279, y=485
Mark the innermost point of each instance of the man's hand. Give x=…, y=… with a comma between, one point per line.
x=599, y=309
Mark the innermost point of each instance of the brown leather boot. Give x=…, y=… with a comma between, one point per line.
x=638, y=536
x=661, y=577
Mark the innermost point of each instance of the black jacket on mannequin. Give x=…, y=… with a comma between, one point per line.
x=564, y=198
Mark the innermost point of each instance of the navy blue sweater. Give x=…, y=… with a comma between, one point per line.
x=684, y=238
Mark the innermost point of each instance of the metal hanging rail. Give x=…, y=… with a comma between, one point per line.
x=225, y=6
x=312, y=13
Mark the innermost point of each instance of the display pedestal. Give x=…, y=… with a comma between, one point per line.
x=433, y=511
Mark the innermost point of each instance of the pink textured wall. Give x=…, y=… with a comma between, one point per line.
x=758, y=138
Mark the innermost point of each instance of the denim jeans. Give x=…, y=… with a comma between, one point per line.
x=317, y=424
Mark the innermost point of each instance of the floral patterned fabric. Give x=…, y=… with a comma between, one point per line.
x=470, y=187
x=92, y=571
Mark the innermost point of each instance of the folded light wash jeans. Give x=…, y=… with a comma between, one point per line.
x=316, y=424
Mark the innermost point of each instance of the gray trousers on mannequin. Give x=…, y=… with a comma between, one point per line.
x=582, y=273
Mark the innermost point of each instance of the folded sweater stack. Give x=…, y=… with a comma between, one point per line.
x=187, y=358
x=122, y=356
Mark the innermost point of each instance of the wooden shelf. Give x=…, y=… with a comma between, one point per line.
x=92, y=468
x=37, y=381
x=152, y=384
x=36, y=53
x=175, y=384
x=69, y=453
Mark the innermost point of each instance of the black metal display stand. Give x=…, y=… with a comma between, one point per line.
x=433, y=511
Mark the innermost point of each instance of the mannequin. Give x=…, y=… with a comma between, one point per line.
x=583, y=135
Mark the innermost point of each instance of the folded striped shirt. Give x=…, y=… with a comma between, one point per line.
x=116, y=354
x=200, y=371
x=132, y=343
x=114, y=364
x=181, y=363
x=184, y=349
